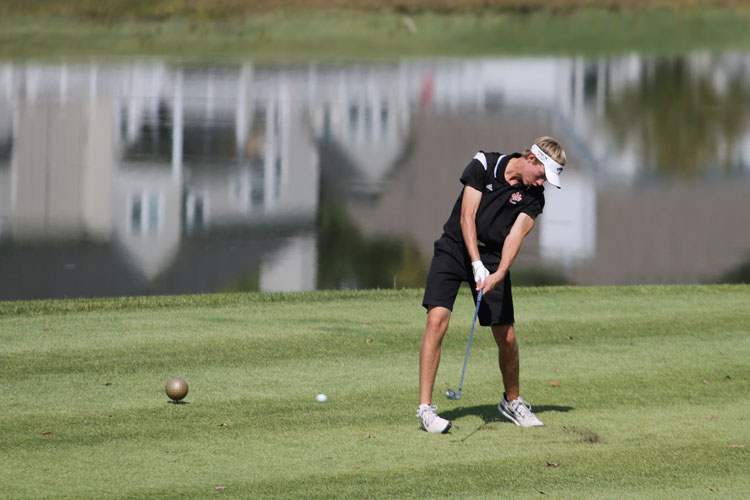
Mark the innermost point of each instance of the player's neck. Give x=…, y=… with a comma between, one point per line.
x=513, y=171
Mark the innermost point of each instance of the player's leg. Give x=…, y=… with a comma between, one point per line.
x=429, y=351
x=507, y=353
x=447, y=271
x=501, y=317
x=512, y=405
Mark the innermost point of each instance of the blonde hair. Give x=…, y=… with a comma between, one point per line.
x=550, y=146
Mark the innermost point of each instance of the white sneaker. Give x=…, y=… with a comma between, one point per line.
x=430, y=421
x=519, y=412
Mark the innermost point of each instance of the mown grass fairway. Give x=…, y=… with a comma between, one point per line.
x=644, y=392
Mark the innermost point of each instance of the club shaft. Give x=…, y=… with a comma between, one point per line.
x=468, y=348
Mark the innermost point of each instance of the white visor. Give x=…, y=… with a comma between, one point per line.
x=552, y=169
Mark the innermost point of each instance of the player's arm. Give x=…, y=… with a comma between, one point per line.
x=469, y=207
x=523, y=225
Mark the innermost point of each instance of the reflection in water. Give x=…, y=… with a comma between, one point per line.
x=353, y=260
x=143, y=177
x=685, y=117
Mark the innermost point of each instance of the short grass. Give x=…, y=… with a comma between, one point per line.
x=318, y=34
x=645, y=393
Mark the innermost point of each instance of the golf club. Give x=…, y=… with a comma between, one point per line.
x=448, y=392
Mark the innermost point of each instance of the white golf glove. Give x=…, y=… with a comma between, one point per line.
x=480, y=272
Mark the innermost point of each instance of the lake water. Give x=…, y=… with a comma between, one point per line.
x=131, y=177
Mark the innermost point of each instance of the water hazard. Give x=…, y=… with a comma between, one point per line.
x=144, y=176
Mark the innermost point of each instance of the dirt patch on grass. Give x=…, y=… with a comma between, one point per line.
x=585, y=435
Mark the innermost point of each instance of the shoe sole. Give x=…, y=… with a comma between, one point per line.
x=444, y=431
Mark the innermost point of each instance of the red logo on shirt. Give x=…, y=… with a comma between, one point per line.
x=516, y=197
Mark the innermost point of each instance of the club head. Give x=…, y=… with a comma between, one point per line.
x=452, y=395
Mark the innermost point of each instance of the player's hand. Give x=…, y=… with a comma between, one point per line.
x=490, y=283
x=480, y=272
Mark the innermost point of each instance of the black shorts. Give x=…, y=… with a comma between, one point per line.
x=451, y=266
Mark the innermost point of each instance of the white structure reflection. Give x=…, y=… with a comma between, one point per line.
x=568, y=233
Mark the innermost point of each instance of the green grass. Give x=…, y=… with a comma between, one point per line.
x=645, y=393
x=301, y=35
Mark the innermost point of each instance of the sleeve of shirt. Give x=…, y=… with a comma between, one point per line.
x=475, y=173
x=535, y=203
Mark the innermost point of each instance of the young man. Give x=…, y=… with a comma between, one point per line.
x=501, y=198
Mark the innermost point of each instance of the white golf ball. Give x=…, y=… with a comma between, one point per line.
x=322, y=398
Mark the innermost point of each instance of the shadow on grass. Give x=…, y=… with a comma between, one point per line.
x=490, y=414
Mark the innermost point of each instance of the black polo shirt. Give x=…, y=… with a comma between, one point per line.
x=501, y=202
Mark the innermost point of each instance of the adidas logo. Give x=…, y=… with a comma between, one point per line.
x=489, y=187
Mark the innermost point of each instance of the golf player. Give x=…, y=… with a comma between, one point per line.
x=498, y=206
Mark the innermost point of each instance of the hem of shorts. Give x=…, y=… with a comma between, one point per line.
x=501, y=323
x=427, y=306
